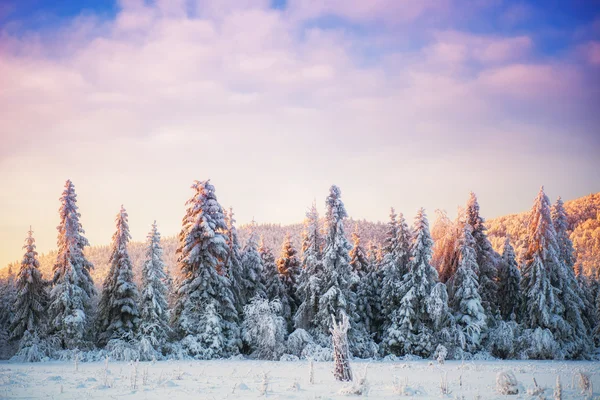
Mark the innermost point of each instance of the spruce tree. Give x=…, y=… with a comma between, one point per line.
x=487, y=261
x=31, y=300
x=542, y=308
x=73, y=291
x=118, y=314
x=233, y=264
x=154, y=309
x=465, y=299
x=252, y=267
x=363, y=286
x=288, y=266
x=336, y=297
x=309, y=281
x=394, y=266
x=358, y=257
x=274, y=286
x=8, y=295
x=412, y=324
x=509, y=292
x=204, y=315
x=570, y=294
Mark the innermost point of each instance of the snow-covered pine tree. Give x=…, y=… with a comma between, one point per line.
x=309, y=281
x=509, y=284
x=384, y=256
x=487, y=261
x=288, y=266
x=71, y=297
x=8, y=295
x=154, y=326
x=542, y=309
x=337, y=297
x=571, y=296
x=252, y=266
x=358, y=257
x=465, y=299
x=204, y=315
x=118, y=314
x=412, y=324
x=586, y=289
x=274, y=286
x=394, y=267
x=31, y=302
x=233, y=264
x=364, y=286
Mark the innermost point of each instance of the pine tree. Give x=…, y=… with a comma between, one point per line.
x=252, y=267
x=465, y=299
x=8, y=295
x=309, y=281
x=71, y=296
x=118, y=315
x=542, y=307
x=274, y=287
x=235, y=273
x=358, y=257
x=288, y=266
x=204, y=315
x=154, y=309
x=363, y=286
x=570, y=294
x=412, y=324
x=394, y=267
x=32, y=299
x=336, y=297
x=509, y=292
x=487, y=261
x=586, y=289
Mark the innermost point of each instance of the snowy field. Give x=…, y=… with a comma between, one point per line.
x=285, y=380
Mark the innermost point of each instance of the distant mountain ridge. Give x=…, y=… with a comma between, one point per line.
x=584, y=224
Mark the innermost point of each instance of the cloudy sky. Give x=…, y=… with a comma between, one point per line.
x=399, y=102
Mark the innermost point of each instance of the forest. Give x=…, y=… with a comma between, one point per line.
x=524, y=286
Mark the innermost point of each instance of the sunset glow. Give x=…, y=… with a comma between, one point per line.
x=400, y=103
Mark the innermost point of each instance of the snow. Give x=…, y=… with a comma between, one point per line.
x=243, y=379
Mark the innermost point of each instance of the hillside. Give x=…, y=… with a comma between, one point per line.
x=584, y=224
x=584, y=221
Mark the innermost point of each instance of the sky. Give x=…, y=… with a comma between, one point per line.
x=398, y=102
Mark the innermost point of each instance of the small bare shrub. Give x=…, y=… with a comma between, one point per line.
x=444, y=384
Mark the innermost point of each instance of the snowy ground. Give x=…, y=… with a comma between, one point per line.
x=286, y=380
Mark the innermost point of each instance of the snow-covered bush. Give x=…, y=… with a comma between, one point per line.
x=539, y=344
x=506, y=383
x=121, y=350
x=297, y=342
x=503, y=339
x=31, y=349
x=441, y=352
x=264, y=329
x=316, y=352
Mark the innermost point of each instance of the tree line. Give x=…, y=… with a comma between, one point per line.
x=408, y=296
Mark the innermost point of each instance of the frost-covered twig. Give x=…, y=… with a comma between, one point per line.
x=558, y=389
x=311, y=372
x=264, y=386
x=444, y=384
x=341, y=358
